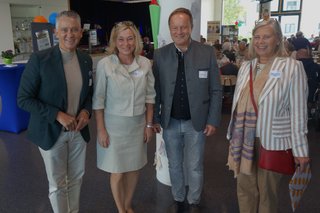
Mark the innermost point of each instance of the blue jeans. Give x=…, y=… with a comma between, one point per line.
x=185, y=148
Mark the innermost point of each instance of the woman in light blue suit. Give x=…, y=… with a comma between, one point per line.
x=271, y=112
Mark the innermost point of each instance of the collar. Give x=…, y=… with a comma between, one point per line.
x=186, y=48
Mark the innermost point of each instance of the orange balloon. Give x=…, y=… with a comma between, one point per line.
x=40, y=19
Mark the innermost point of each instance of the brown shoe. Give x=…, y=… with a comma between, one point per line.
x=194, y=208
x=176, y=207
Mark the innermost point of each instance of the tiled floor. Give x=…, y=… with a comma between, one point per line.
x=23, y=183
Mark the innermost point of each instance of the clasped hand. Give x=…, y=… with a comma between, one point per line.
x=72, y=123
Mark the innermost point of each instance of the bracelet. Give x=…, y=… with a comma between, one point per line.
x=149, y=126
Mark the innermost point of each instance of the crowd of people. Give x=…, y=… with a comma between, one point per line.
x=179, y=93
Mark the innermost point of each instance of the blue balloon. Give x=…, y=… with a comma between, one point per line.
x=52, y=18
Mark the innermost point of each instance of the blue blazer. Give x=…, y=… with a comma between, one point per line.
x=202, y=79
x=43, y=93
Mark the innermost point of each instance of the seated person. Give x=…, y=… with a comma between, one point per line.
x=312, y=70
x=229, y=68
x=148, y=48
x=230, y=54
x=300, y=42
x=242, y=54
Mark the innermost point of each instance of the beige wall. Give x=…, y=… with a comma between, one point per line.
x=211, y=10
x=46, y=7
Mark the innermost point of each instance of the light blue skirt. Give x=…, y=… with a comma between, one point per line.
x=126, y=151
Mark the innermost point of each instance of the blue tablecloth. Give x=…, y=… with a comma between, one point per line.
x=12, y=118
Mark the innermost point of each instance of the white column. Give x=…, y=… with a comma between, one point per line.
x=6, y=34
x=166, y=7
x=211, y=10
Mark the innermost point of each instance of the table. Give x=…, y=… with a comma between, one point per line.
x=12, y=118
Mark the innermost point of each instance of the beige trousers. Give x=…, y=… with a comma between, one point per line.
x=259, y=192
x=65, y=166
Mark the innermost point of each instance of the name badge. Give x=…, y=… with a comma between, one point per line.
x=203, y=74
x=136, y=73
x=275, y=74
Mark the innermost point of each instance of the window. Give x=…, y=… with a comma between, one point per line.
x=289, y=24
x=274, y=6
x=290, y=29
x=291, y=5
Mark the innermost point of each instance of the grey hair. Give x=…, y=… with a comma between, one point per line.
x=68, y=13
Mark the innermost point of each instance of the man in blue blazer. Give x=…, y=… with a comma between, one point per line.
x=188, y=106
x=56, y=88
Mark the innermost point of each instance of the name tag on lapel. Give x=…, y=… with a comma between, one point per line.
x=203, y=73
x=275, y=74
x=136, y=73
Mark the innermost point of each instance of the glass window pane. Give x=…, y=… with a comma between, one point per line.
x=289, y=5
x=274, y=6
x=289, y=25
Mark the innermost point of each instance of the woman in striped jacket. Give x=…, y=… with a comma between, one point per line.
x=269, y=110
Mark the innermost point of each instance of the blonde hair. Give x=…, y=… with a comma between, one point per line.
x=119, y=27
x=280, y=50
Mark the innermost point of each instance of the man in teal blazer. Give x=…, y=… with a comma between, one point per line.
x=56, y=88
x=188, y=107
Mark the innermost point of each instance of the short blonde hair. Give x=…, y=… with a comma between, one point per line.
x=119, y=27
x=280, y=49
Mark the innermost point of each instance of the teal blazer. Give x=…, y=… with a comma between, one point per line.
x=43, y=93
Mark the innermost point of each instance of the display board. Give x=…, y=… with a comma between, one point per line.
x=42, y=36
x=228, y=31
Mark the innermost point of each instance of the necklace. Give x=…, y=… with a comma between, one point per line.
x=258, y=67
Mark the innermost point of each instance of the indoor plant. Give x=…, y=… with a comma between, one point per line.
x=7, y=56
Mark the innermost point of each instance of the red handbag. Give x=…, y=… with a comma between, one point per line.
x=281, y=161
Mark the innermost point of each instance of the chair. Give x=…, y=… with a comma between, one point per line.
x=228, y=83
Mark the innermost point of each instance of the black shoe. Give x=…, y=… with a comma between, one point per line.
x=194, y=208
x=176, y=207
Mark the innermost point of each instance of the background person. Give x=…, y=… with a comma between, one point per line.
x=189, y=94
x=147, y=48
x=56, y=88
x=300, y=42
x=312, y=70
x=280, y=94
x=123, y=105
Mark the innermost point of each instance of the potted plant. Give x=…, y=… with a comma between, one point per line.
x=7, y=56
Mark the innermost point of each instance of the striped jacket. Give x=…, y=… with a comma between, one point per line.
x=282, y=114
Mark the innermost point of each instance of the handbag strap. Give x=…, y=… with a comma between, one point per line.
x=251, y=92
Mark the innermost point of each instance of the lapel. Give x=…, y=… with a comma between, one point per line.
x=278, y=65
x=173, y=64
x=243, y=79
x=86, y=74
x=120, y=68
x=58, y=67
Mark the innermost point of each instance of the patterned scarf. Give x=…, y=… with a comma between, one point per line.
x=241, y=149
